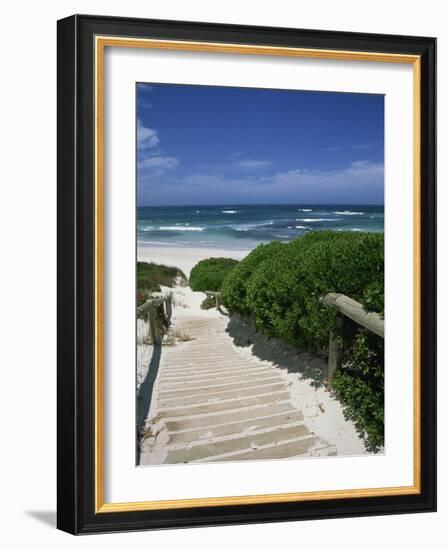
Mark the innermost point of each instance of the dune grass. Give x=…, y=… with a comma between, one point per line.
x=151, y=276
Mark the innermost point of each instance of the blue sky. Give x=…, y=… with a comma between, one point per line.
x=220, y=145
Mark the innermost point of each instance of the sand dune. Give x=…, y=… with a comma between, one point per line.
x=184, y=258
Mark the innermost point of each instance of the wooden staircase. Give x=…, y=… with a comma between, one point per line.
x=211, y=403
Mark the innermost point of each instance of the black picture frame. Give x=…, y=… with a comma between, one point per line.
x=76, y=286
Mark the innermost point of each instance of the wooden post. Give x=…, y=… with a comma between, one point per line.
x=157, y=312
x=169, y=308
x=148, y=338
x=335, y=349
x=161, y=318
x=153, y=326
x=218, y=305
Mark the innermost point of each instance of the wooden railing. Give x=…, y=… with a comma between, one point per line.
x=157, y=312
x=354, y=311
x=216, y=296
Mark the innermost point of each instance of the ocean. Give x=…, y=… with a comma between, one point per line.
x=245, y=226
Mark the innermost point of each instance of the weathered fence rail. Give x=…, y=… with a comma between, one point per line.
x=355, y=311
x=216, y=296
x=157, y=312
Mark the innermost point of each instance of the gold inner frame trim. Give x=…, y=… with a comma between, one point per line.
x=101, y=42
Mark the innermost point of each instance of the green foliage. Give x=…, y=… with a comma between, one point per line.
x=209, y=274
x=359, y=384
x=279, y=286
x=373, y=296
x=150, y=276
x=142, y=296
x=208, y=303
x=233, y=291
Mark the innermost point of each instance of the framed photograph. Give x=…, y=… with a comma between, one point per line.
x=246, y=274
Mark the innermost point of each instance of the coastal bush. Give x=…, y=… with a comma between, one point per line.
x=359, y=385
x=150, y=276
x=233, y=291
x=210, y=273
x=280, y=285
x=208, y=303
x=142, y=296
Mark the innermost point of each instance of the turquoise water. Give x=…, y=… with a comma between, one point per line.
x=246, y=226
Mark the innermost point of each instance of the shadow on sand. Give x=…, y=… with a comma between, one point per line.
x=144, y=396
x=308, y=365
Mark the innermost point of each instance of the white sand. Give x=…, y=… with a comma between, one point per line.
x=144, y=352
x=185, y=258
x=185, y=301
x=322, y=412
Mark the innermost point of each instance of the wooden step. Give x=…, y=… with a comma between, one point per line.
x=224, y=405
x=215, y=403
x=178, y=390
x=244, y=443
x=176, y=424
x=287, y=449
x=216, y=396
x=238, y=427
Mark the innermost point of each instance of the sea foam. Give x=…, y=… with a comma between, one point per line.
x=348, y=213
x=317, y=220
x=179, y=228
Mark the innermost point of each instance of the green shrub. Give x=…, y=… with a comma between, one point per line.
x=142, y=296
x=359, y=385
x=233, y=291
x=208, y=303
x=150, y=276
x=279, y=286
x=209, y=274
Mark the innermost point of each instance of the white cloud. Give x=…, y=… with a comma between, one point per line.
x=254, y=164
x=362, y=146
x=242, y=179
x=359, y=173
x=204, y=179
x=142, y=102
x=142, y=87
x=355, y=146
x=151, y=161
x=361, y=181
x=147, y=138
x=159, y=162
x=365, y=165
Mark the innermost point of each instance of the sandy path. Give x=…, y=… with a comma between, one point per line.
x=214, y=402
x=231, y=393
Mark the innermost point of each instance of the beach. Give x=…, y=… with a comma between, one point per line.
x=185, y=258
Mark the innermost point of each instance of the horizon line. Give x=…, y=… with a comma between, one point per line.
x=229, y=204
